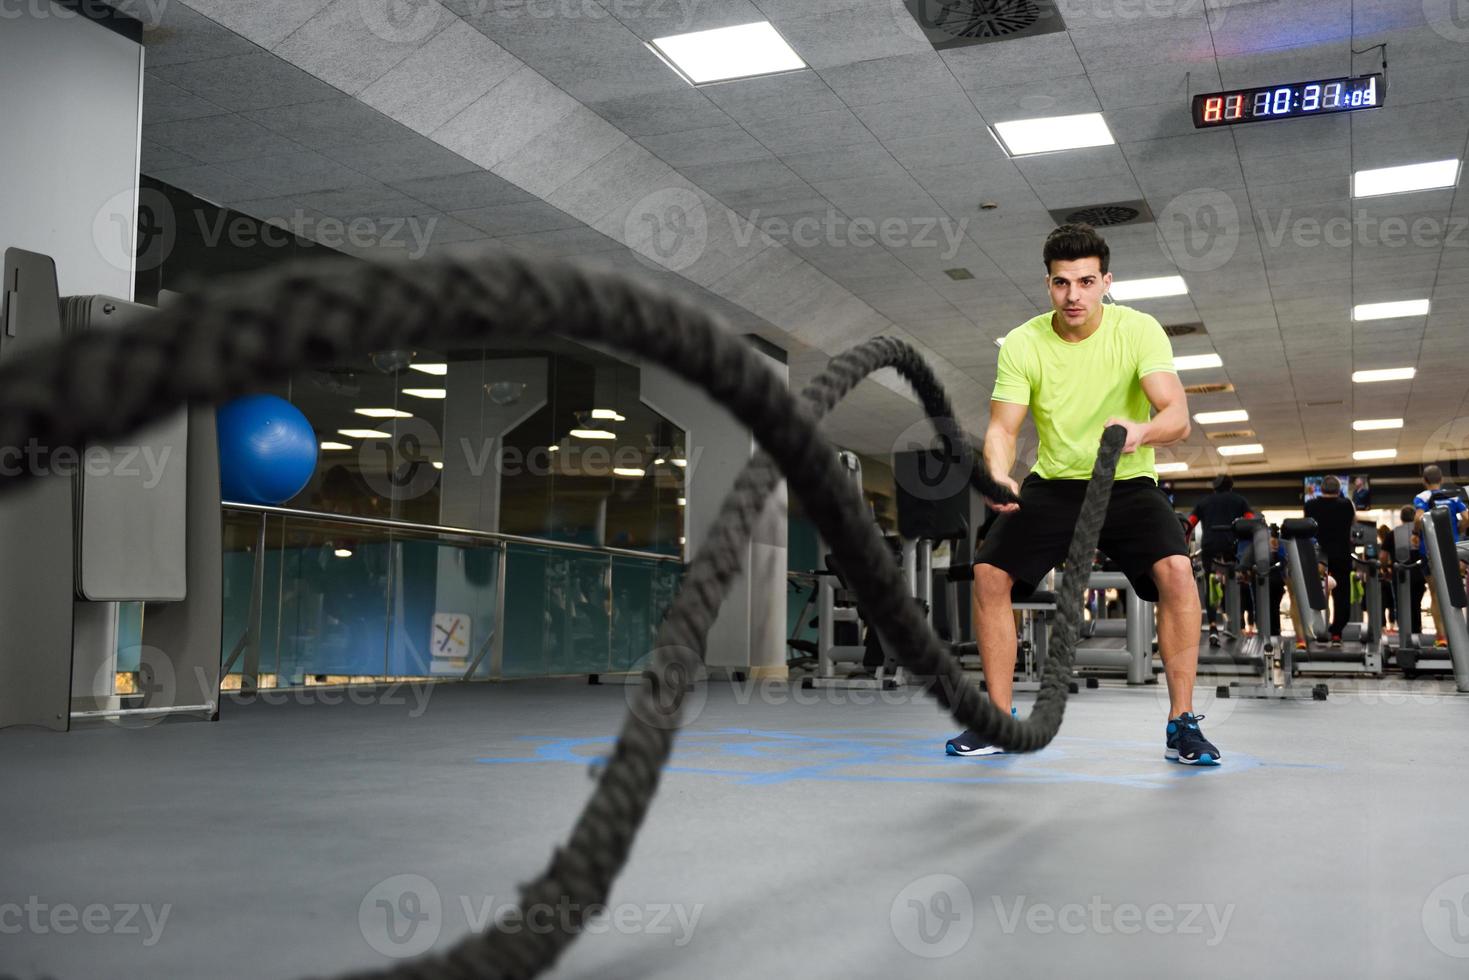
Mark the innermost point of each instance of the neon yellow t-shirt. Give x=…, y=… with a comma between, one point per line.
x=1072, y=389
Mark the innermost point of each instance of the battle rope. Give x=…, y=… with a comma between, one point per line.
x=226, y=340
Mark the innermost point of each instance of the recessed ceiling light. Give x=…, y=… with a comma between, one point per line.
x=1368, y=425
x=383, y=413
x=1132, y=289
x=364, y=434
x=343, y=552
x=1375, y=454
x=426, y=392
x=680, y=462
x=608, y=414
x=718, y=55
x=1243, y=449
x=1213, y=418
x=1400, y=180
x=1386, y=311
x=1050, y=133
x=553, y=449
x=439, y=369
x=1171, y=467
x=592, y=434
x=1384, y=374
x=682, y=502
x=627, y=471
x=1195, y=362
x=335, y=446
x=437, y=465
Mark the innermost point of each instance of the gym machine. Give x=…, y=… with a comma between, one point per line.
x=89, y=537
x=1360, y=651
x=1448, y=586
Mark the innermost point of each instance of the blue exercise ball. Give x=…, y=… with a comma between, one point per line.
x=267, y=450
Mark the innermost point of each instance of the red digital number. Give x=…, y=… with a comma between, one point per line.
x=1234, y=107
x=1213, y=106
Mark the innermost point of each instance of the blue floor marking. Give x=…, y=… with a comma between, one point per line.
x=837, y=756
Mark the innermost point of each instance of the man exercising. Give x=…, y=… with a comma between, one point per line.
x=1078, y=369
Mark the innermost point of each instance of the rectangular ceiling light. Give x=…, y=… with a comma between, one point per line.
x=1171, y=467
x=742, y=51
x=335, y=446
x=1383, y=374
x=438, y=369
x=1369, y=425
x=1400, y=180
x=592, y=434
x=1386, y=311
x=1362, y=454
x=1050, y=133
x=426, y=392
x=609, y=414
x=1243, y=449
x=1132, y=289
x=383, y=413
x=364, y=434
x=627, y=471
x=1214, y=418
x=1195, y=362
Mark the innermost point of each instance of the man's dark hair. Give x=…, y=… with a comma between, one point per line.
x=1406, y=514
x=1071, y=242
x=1223, y=483
x=1331, y=486
x=1432, y=474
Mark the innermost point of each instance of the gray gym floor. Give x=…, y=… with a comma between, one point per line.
x=819, y=839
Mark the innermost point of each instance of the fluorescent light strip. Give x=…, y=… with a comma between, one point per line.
x=1195, y=362
x=343, y=553
x=1362, y=454
x=1047, y=134
x=383, y=413
x=364, y=434
x=592, y=434
x=1383, y=374
x=718, y=55
x=437, y=465
x=1171, y=467
x=1371, y=425
x=680, y=462
x=627, y=471
x=426, y=392
x=438, y=369
x=1243, y=449
x=608, y=414
x=1387, y=311
x=1214, y=418
x=1401, y=180
x=335, y=446
x=1131, y=289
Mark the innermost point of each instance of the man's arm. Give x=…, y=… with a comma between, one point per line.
x=1170, y=424
x=999, y=446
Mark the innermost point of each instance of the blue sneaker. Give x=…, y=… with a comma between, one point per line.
x=967, y=743
x=1187, y=744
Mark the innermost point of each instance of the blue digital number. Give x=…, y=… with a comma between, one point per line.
x=1262, y=104
x=1281, y=103
x=1311, y=98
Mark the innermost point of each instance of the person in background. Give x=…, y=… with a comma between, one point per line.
x=1385, y=576
x=1217, y=512
x=1334, y=515
x=1423, y=503
x=1410, y=606
x=1361, y=493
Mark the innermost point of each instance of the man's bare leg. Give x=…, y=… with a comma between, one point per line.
x=996, y=632
x=1179, y=622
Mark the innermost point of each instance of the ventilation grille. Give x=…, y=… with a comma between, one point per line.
x=1184, y=329
x=1212, y=388
x=1104, y=215
x=955, y=23
x=1236, y=434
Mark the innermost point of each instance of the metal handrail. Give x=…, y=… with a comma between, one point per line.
x=352, y=520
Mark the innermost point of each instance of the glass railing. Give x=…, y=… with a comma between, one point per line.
x=318, y=598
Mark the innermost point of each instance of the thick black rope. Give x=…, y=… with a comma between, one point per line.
x=227, y=340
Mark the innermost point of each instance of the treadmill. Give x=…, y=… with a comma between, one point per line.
x=1361, y=649
x=1448, y=588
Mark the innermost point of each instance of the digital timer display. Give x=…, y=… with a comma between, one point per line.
x=1248, y=105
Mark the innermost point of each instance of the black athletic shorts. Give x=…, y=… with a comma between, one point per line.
x=1141, y=529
